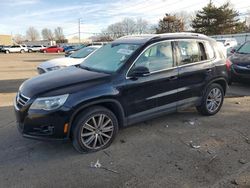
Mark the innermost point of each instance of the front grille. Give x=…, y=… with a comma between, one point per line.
x=21, y=100
x=40, y=71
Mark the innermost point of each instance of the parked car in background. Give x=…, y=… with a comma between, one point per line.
x=36, y=48
x=15, y=48
x=223, y=48
x=231, y=50
x=240, y=69
x=132, y=79
x=52, y=49
x=2, y=48
x=74, y=59
x=68, y=52
x=228, y=42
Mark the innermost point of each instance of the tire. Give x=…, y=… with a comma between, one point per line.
x=7, y=51
x=22, y=51
x=44, y=51
x=210, y=106
x=30, y=51
x=58, y=51
x=94, y=139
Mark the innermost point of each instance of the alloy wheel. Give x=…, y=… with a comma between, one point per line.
x=214, y=100
x=97, y=131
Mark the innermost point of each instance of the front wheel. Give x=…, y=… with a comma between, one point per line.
x=212, y=100
x=94, y=129
x=7, y=51
x=22, y=51
x=58, y=51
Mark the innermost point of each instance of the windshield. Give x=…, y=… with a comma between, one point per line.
x=110, y=57
x=244, y=49
x=82, y=53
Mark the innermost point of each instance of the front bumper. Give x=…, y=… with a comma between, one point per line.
x=43, y=125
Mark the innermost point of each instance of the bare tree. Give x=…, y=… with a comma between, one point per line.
x=47, y=34
x=18, y=38
x=59, y=36
x=142, y=26
x=127, y=26
x=32, y=34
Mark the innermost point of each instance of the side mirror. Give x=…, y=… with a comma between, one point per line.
x=139, y=72
x=227, y=44
x=233, y=50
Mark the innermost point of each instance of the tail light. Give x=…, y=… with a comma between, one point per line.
x=228, y=64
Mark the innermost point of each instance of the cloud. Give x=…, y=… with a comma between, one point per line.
x=18, y=2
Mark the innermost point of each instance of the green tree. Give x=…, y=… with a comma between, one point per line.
x=212, y=20
x=170, y=24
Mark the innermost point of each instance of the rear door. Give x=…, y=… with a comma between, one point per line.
x=195, y=70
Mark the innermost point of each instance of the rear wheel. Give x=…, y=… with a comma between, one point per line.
x=44, y=51
x=58, y=51
x=94, y=129
x=29, y=50
x=212, y=100
x=22, y=51
x=7, y=51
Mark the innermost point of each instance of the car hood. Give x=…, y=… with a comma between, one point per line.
x=63, y=61
x=68, y=80
x=240, y=59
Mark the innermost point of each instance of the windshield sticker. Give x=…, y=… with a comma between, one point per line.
x=125, y=51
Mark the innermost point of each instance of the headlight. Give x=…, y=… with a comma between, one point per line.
x=55, y=68
x=49, y=103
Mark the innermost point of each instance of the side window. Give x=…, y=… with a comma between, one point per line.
x=157, y=57
x=209, y=50
x=189, y=52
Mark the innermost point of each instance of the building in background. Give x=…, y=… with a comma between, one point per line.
x=6, y=40
x=40, y=42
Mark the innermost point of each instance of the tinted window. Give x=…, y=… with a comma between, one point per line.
x=189, y=52
x=157, y=57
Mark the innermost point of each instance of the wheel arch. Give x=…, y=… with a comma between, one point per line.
x=220, y=81
x=111, y=104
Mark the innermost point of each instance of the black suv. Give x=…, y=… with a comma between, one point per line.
x=130, y=80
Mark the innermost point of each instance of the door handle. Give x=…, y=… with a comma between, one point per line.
x=173, y=78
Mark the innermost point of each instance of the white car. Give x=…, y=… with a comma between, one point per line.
x=15, y=48
x=223, y=48
x=36, y=48
x=74, y=59
x=228, y=42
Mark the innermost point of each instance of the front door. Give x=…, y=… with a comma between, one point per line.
x=156, y=92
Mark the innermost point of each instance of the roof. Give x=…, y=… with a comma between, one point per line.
x=140, y=39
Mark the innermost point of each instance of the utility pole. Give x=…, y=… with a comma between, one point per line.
x=79, y=29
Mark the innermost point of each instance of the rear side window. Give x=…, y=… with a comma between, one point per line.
x=188, y=52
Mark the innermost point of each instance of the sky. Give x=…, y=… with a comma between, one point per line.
x=95, y=15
